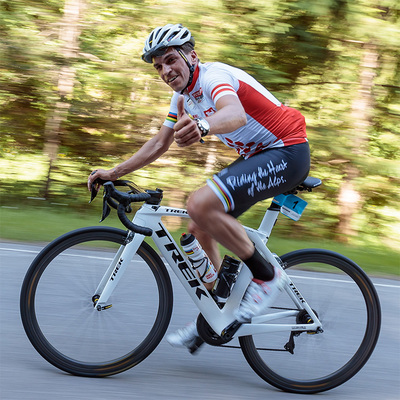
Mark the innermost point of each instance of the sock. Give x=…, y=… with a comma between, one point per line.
x=260, y=267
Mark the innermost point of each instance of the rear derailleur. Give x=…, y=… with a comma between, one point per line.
x=302, y=318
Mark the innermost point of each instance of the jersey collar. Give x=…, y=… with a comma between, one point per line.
x=195, y=77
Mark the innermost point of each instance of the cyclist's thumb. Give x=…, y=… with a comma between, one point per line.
x=181, y=106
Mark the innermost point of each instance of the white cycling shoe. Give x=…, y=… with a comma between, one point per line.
x=259, y=296
x=186, y=337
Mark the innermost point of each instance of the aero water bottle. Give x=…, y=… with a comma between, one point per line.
x=197, y=256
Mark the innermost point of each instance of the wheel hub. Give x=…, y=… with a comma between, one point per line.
x=304, y=318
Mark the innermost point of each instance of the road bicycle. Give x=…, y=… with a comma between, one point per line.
x=98, y=300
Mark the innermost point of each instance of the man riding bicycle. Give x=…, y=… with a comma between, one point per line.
x=270, y=138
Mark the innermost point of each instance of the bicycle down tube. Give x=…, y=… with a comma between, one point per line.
x=150, y=216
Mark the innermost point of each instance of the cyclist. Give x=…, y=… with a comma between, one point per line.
x=270, y=138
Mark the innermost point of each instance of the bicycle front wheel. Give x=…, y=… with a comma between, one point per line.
x=57, y=304
x=346, y=303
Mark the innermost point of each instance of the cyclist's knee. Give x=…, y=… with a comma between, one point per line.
x=202, y=203
x=195, y=208
x=193, y=228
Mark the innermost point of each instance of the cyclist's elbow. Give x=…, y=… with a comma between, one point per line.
x=242, y=119
x=237, y=118
x=160, y=143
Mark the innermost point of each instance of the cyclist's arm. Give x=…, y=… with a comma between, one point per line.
x=149, y=152
x=230, y=115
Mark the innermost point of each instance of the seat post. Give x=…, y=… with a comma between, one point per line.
x=269, y=220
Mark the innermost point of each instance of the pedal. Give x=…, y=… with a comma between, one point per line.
x=197, y=344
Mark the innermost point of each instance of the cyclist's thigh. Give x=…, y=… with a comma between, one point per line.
x=266, y=174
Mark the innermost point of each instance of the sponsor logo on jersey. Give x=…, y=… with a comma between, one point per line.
x=209, y=112
x=199, y=96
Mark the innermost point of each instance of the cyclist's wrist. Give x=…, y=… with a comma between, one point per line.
x=203, y=126
x=114, y=173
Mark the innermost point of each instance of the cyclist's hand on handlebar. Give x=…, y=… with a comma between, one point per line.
x=186, y=129
x=99, y=174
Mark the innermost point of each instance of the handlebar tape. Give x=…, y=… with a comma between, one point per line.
x=139, y=197
x=142, y=230
x=125, y=199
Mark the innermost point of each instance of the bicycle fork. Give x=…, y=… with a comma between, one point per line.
x=115, y=271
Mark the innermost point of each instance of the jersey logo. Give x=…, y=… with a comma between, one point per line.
x=199, y=96
x=209, y=112
x=246, y=148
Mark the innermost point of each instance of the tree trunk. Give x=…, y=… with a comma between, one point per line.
x=68, y=35
x=211, y=155
x=349, y=199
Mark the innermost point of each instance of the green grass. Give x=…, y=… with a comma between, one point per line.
x=43, y=224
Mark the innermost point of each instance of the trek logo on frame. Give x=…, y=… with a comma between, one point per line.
x=185, y=269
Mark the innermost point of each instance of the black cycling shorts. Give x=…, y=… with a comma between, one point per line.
x=266, y=174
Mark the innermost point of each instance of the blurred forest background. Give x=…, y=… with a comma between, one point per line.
x=75, y=95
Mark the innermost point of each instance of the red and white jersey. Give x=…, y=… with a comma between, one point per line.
x=269, y=122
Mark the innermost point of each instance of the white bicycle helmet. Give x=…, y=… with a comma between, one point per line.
x=163, y=37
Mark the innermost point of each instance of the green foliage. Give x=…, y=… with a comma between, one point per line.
x=26, y=56
x=309, y=54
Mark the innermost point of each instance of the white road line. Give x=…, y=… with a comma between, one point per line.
x=294, y=276
x=341, y=281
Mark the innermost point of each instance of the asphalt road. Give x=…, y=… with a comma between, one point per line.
x=173, y=373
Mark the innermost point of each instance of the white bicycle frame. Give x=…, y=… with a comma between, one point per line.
x=150, y=216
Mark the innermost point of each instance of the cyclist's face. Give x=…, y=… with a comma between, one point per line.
x=173, y=69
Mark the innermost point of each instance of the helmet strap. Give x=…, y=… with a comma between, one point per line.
x=190, y=66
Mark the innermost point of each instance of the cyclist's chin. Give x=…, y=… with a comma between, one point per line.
x=177, y=85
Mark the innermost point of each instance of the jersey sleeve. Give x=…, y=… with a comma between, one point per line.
x=173, y=111
x=220, y=82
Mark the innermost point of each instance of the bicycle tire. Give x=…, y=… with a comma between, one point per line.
x=60, y=319
x=325, y=360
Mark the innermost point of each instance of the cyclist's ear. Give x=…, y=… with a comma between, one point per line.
x=181, y=106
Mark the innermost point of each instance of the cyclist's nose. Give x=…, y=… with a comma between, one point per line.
x=166, y=69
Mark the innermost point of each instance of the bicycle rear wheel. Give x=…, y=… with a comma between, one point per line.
x=58, y=312
x=346, y=303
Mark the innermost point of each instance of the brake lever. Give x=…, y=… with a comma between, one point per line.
x=106, y=207
x=94, y=191
x=109, y=201
x=132, y=186
x=106, y=210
